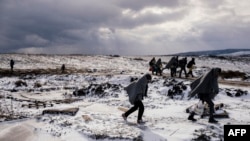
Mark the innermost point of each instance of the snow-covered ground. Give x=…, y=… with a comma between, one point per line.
x=99, y=114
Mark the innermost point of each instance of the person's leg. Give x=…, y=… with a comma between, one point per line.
x=160, y=71
x=180, y=73
x=185, y=72
x=171, y=72
x=141, y=110
x=175, y=71
x=157, y=70
x=191, y=71
x=132, y=109
x=211, y=110
x=211, y=107
x=191, y=116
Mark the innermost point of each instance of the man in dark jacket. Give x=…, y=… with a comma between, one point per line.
x=136, y=91
x=190, y=66
x=182, y=65
x=158, y=66
x=63, y=68
x=207, y=88
x=12, y=65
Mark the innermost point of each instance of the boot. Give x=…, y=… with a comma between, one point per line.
x=140, y=122
x=212, y=120
x=124, y=117
x=191, y=117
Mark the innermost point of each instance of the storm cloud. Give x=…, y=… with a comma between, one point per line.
x=125, y=27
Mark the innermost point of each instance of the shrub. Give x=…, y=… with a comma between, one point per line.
x=37, y=85
x=20, y=83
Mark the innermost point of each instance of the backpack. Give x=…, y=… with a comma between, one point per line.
x=189, y=65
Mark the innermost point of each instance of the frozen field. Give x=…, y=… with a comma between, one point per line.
x=37, y=84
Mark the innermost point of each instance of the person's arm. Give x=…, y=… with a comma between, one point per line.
x=215, y=86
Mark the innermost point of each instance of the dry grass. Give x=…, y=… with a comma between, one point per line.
x=232, y=74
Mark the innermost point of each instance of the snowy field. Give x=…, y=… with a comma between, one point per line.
x=94, y=85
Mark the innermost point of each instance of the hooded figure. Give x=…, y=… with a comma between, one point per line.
x=152, y=62
x=207, y=83
x=136, y=91
x=190, y=66
x=172, y=65
x=207, y=88
x=152, y=65
x=158, y=66
x=182, y=65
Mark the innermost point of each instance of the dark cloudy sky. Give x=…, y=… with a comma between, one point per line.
x=124, y=27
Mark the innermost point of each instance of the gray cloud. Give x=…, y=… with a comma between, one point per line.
x=122, y=27
x=140, y=4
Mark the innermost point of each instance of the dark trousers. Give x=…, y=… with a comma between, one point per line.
x=190, y=72
x=173, y=72
x=210, y=104
x=137, y=104
x=183, y=69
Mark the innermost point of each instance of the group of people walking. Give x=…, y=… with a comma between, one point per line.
x=155, y=66
x=206, y=87
x=173, y=64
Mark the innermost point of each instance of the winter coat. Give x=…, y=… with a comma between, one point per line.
x=152, y=62
x=136, y=90
x=183, y=62
x=206, y=84
x=159, y=63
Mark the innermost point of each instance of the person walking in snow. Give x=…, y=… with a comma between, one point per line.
x=207, y=88
x=136, y=92
x=172, y=65
x=12, y=65
x=182, y=65
x=152, y=65
x=158, y=66
x=190, y=66
x=63, y=68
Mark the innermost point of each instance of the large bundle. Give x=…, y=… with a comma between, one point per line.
x=171, y=63
x=202, y=109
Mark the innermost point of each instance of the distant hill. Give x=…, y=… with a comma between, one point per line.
x=224, y=52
